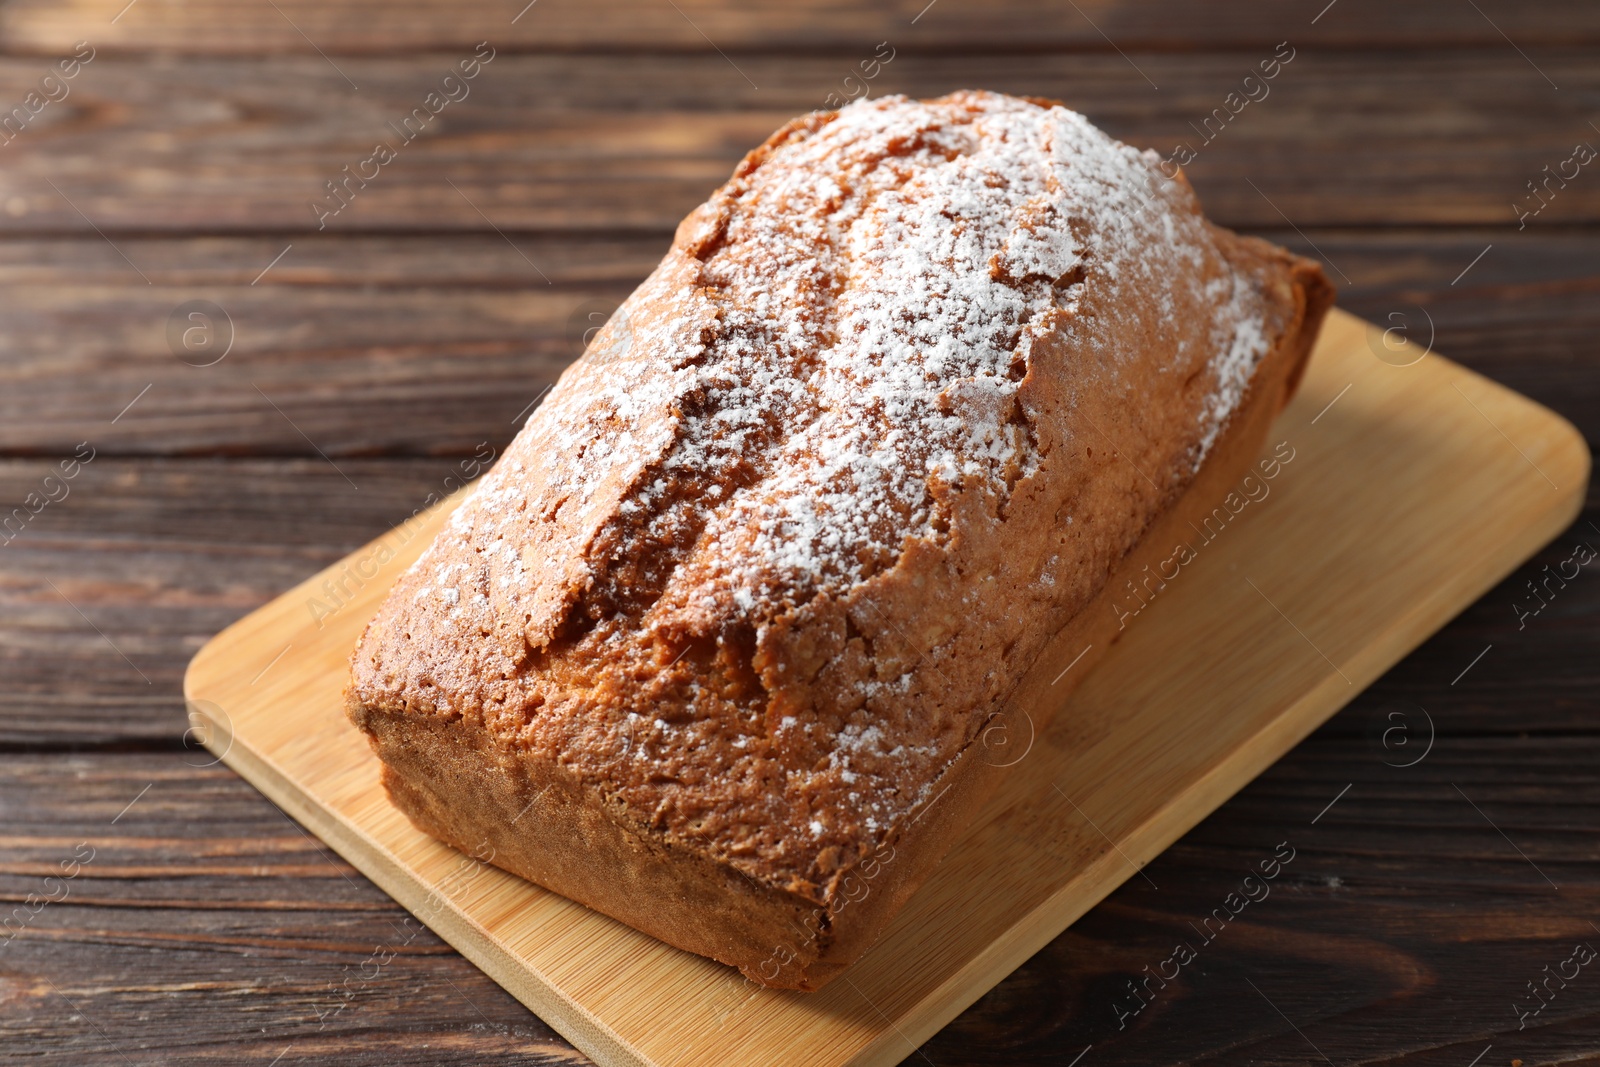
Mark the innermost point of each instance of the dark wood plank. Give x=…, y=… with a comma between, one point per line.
x=178, y=917
x=216, y=26
x=432, y=345
x=206, y=928
x=107, y=593
x=564, y=143
x=365, y=346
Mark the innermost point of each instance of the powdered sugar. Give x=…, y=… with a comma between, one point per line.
x=1235, y=362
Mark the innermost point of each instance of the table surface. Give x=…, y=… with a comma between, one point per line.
x=157, y=910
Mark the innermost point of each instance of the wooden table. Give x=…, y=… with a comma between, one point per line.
x=162, y=912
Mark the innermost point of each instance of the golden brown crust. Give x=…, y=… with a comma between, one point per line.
x=711, y=648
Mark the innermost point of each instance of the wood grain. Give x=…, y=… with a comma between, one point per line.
x=431, y=345
x=273, y=925
x=215, y=26
x=607, y=143
x=1370, y=488
x=107, y=593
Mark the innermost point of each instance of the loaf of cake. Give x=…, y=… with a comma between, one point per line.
x=712, y=647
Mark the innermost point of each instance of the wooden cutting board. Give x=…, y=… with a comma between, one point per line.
x=1415, y=485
